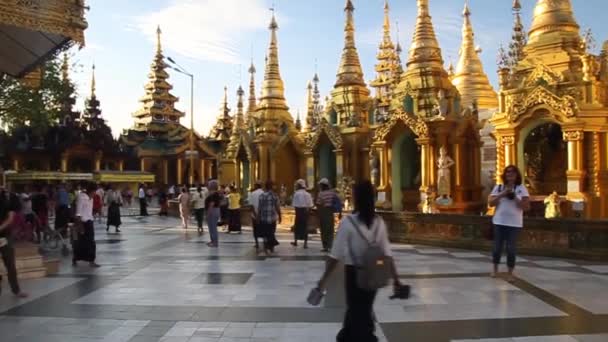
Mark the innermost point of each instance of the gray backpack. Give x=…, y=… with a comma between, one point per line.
x=374, y=268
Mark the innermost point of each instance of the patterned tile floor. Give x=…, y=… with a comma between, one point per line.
x=159, y=283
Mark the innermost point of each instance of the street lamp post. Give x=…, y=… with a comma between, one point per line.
x=191, y=153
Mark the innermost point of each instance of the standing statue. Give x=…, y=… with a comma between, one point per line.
x=552, y=206
x=374, y=165
x=444, y=163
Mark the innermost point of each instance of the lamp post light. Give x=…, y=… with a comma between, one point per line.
x=191, y=153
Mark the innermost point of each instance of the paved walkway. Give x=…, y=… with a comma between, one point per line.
x=157, y=283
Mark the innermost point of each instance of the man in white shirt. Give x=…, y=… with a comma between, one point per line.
x=85, y=248
x=302, y=202
x=143, y=204
x=254, y=201
x=198, y=203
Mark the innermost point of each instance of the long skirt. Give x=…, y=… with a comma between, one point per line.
x=85, y=248
x=114, y=215
x=268, y=232
x=359, y=318
x=326, y=220
x=62, y=217
x=234, y=220
x=301, y=224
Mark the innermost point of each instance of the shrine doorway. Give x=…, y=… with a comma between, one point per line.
x=326, y=161
x=244, y=168
x=80, y=164
x=543, y=158
x=405, y=172
x=286, y=164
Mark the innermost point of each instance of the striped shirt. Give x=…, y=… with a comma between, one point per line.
x=326, y=198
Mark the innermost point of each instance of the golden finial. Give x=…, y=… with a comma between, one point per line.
x=470, y=78
x=349, y=71
x=93, y=81
x=554, y=17
x=425, y=48
x=225, y=103
x=239, y=120
x=516, y=5
x=158, y=45
x=252, y=99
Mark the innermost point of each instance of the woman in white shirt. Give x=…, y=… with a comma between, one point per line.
x=184, y=207
x=511, y=199
x=358, y=321
x=198, y=203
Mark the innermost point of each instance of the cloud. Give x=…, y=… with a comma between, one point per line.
x=205, y=29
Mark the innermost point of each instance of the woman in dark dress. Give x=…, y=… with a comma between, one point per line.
x=163, y=201
x=114, y=202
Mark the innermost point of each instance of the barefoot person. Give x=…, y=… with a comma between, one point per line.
x=184, y=207
x=355, y=234
x=302, y=202
x=113, y=202
x=8, y=212
x=511, y=199
x=85, y=248
x=212, y=208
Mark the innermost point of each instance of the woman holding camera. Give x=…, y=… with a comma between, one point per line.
x=511, y=199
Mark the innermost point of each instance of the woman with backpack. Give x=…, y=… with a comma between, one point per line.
x=362, y=240
x=511, y=199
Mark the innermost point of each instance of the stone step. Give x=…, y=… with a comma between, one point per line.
x=52, y=266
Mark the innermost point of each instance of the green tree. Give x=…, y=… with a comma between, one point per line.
x=36, y=107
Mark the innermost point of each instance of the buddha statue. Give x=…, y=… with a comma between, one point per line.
x=552, y=206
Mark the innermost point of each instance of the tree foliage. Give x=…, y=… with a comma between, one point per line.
x=35, y=107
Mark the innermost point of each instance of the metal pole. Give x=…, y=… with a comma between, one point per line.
x=191, y=130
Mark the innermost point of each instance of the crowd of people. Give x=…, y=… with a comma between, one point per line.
x=361, y=242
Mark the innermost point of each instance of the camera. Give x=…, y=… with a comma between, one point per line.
x=401, y=292
x=511, y=195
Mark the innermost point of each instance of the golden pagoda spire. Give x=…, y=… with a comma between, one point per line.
x=93, y=82
x=350, y=96
x=349, y=71
x=425, y=48
x=310, y=106
x=251, y=108
x=553, y=19
x=65, y=68
x=470, y=78
x=272, y=105
x=238, y=126
x=388, y=68
x=222, y=130
x=518, y=38
x=158, y=104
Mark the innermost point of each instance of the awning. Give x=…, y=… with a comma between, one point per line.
x=30, y=31
x=124, y=177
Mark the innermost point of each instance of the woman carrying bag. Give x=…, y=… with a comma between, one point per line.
x=510, y=199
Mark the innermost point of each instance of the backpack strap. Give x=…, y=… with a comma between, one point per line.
x=354, y=223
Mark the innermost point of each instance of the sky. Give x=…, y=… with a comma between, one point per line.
x=216, y=40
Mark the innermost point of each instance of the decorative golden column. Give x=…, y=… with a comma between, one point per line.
x=310, y=168
x=121, y=165
x=17, y=166
x=201, y=174
x=426, y=164
x=64, y=162
x=575, y=173
x=97, y=166
x=180, y=174
x=165, y=164
x=508, y=145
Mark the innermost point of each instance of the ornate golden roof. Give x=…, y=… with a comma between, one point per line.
x=224, y=126
x=470, y=78
x=389, y=67
x=553, y=18
x=425, y=77
x=158, y=104
x=350, y=96
x=272, y=110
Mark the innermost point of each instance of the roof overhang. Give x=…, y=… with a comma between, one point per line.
x=31, y=31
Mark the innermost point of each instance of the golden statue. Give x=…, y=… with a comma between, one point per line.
x=552, y=206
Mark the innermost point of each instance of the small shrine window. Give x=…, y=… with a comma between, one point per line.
x=333, y=117
x=408, y=104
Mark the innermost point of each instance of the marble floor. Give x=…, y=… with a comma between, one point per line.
x=159, y=283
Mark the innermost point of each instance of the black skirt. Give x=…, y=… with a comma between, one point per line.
x=114, y=215
x=358, y=322
x=62, y=217
x=234, y=220
x=85, y=248
x=301, y=224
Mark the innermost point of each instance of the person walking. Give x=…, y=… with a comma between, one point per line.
x=268, y=216
x=163, y=203
x=326, y=200
x=98, y=199
x=143, y=203
x=254, y=201
x=184, y=207
x=355, y=234
x=85, y=248
x=113, y=201
x=9, y=207
x=511, y=199
x=234, y=211
x=198, y=203
x=212, y=208
x=62, y=212
x=302, y=202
